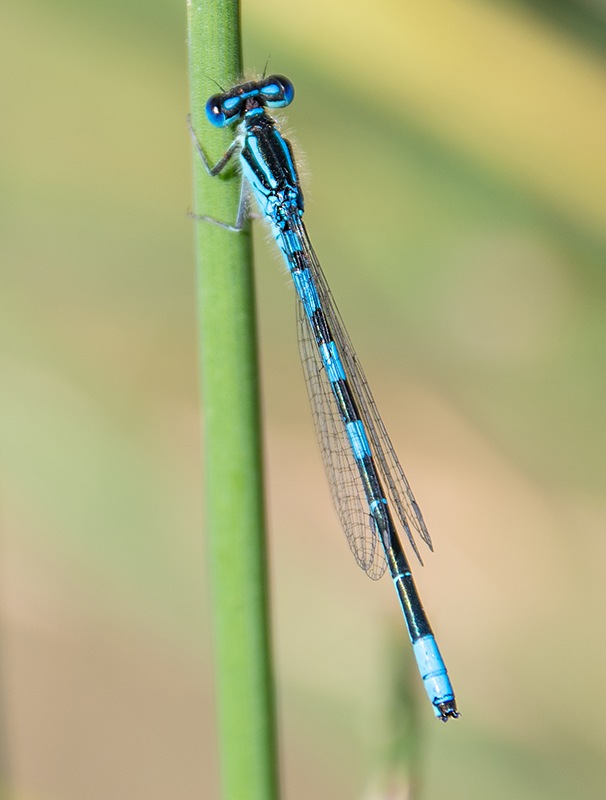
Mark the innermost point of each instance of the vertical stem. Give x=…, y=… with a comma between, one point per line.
x=405, y=735
x=232, y=437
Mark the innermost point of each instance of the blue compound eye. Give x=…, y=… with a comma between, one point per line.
x=214, y=111
x=277, y=91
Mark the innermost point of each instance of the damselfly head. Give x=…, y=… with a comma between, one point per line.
x=229, y=107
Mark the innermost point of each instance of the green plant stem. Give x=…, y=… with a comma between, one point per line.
x=404, y=743
x=232, y=437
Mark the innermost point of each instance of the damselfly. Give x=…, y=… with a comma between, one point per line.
x=368, y=485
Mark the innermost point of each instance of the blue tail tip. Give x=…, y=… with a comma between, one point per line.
x=447, y=710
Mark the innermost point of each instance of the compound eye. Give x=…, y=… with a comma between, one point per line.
x=277, y=91
x=214, y=111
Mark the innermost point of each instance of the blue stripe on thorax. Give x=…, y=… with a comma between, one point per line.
x=287, y=157
x=260, y=191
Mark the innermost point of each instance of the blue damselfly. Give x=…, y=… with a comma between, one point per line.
x=368, y=485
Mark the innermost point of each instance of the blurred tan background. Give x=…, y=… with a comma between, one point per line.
x=455, y=185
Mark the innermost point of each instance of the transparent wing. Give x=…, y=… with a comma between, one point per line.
x=395, y=482
x=343, y=476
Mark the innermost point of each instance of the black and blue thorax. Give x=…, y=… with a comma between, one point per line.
x=268, y=166
x=266, y=156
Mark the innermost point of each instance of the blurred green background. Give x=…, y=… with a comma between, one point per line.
x=455, y=181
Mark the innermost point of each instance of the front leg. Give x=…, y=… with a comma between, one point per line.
x=222, y=162
x=214, y=171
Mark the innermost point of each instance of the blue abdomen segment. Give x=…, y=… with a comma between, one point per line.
x=305, y=288
x=332, y=362
x=357, y=438
x=433, y=673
